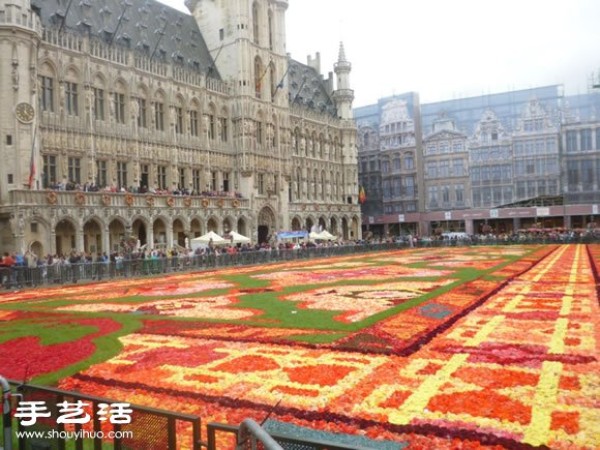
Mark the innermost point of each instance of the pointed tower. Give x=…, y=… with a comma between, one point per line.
x=246, y=39
x=20, y=34
x=343, y=96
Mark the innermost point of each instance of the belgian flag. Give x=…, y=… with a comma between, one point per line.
x=362, y=195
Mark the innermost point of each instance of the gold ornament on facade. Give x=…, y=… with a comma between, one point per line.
x=236, y=203
x=80, y=198
x=205, y=203
x=129, y=199
x=106, y=199
x=170, y=202
x=220, y=203
x=187, y=202
x=150, y=200
x=52, y=197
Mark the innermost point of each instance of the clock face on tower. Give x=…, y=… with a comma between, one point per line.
x=24, y=112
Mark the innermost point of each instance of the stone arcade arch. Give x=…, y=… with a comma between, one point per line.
x=159, y=232
x=195, y=228
x=266, y=224
x=322, y=223
x=37, y=234
x=334, y=227
x=309, y=224
x=139, y=229
x=65, y=237
x=242, y=227
x=296, y=224
x=116, y=234
x=92, y=237
x=212, y=225
x=355, y=229
x=345, y=228
x=179, y=232
x=37, y=248
x=227, y=227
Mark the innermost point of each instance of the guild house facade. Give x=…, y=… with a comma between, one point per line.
x=131, y=120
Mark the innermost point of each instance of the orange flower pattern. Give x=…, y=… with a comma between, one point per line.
x=505, y=359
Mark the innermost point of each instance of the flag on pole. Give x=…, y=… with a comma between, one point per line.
x=32, y=163
x=362, y=196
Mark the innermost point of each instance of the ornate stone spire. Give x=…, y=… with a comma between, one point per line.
x=342, y=53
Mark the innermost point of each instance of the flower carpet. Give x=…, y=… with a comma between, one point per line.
x=483, y=347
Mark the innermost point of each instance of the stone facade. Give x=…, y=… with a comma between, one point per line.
x=510, y=161
x=109, y=125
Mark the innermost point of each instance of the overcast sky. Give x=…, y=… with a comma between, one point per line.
x=446, y=49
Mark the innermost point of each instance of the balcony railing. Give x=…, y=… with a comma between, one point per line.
x=72, y=199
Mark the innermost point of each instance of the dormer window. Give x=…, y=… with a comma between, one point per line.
x=126, y=40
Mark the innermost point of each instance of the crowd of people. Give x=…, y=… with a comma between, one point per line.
x=27, y=269
x=19, y=270
x=178, y=190
x=524, y=235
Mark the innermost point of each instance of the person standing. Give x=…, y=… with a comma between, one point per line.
x=7, y=267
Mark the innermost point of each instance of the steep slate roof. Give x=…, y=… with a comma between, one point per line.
x=147, y=26
x=168, y=35
x=307, y=88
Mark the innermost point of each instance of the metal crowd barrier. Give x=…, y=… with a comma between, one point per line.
x=249, y=435
x=19, y=277
x=64, y=273
x=147, y=428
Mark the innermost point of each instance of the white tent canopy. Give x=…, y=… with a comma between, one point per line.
x=206, y=239
x=326, y=235
x=236, y=238
x=323, y=236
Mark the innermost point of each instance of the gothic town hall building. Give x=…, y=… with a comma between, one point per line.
x=129, y=119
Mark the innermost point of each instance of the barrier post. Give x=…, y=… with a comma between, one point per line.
x=6, y=419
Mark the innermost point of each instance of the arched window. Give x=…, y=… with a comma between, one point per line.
x=274, y=132
x=331, y=184
x=141, y=107
x=321, y=147
x=260, y=129
x=118, y=102
x=271, y=37
x=193, y=116
x=98, y=101
x=177, y=115
x=210, y=122
x=257, y=77
x=255, y=22
x=273, y=81
x=223, y=125
x=47, y=80
x=297, y=141
x=298, y=184
x=70, y=92
x=159, y=111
